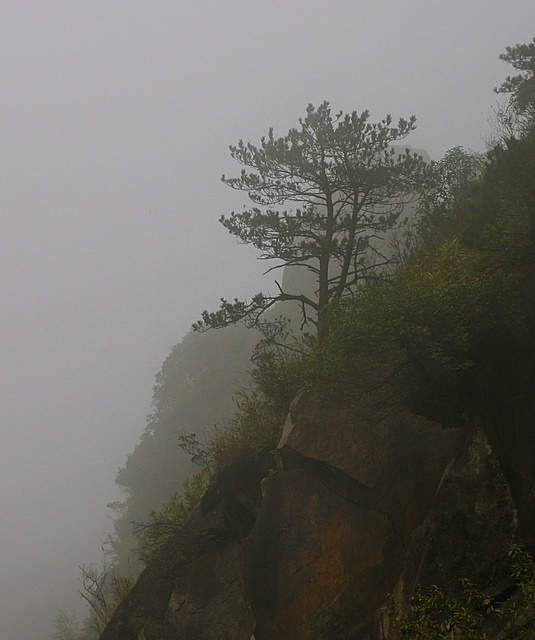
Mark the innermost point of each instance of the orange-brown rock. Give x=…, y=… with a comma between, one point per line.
x=357, y=502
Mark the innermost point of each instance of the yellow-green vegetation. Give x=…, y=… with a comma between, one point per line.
x=164, y=523
x=274, y=377
x=470, y=613
x=277, y=371
x=421, y=333
x=253, y=427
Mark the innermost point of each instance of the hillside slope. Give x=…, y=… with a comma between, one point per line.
x=356, y=503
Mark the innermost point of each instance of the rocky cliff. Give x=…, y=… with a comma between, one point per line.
x=357, y=506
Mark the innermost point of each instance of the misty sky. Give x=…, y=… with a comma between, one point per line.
x=115, y=121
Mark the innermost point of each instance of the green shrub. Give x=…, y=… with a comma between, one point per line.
x=254, y=426
x=470, y=613
x=164, y=523
x=277, y=371
x=419, y=337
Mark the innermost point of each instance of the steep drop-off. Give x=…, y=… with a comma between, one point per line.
x=357, y=502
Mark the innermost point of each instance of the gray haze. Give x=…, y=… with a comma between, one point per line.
x=115, y=122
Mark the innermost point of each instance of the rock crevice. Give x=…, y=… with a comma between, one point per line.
x=308, y=542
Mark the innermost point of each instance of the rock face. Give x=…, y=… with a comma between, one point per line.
x=338, y=516
x=356, y=503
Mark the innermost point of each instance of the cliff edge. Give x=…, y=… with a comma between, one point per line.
x=357, y=506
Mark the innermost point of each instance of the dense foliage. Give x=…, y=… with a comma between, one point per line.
x=423, y=334
x=437, y=614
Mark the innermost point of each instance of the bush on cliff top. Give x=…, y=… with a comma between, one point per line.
x=420, y=335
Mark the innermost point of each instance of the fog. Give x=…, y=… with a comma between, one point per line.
x=115, y=123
